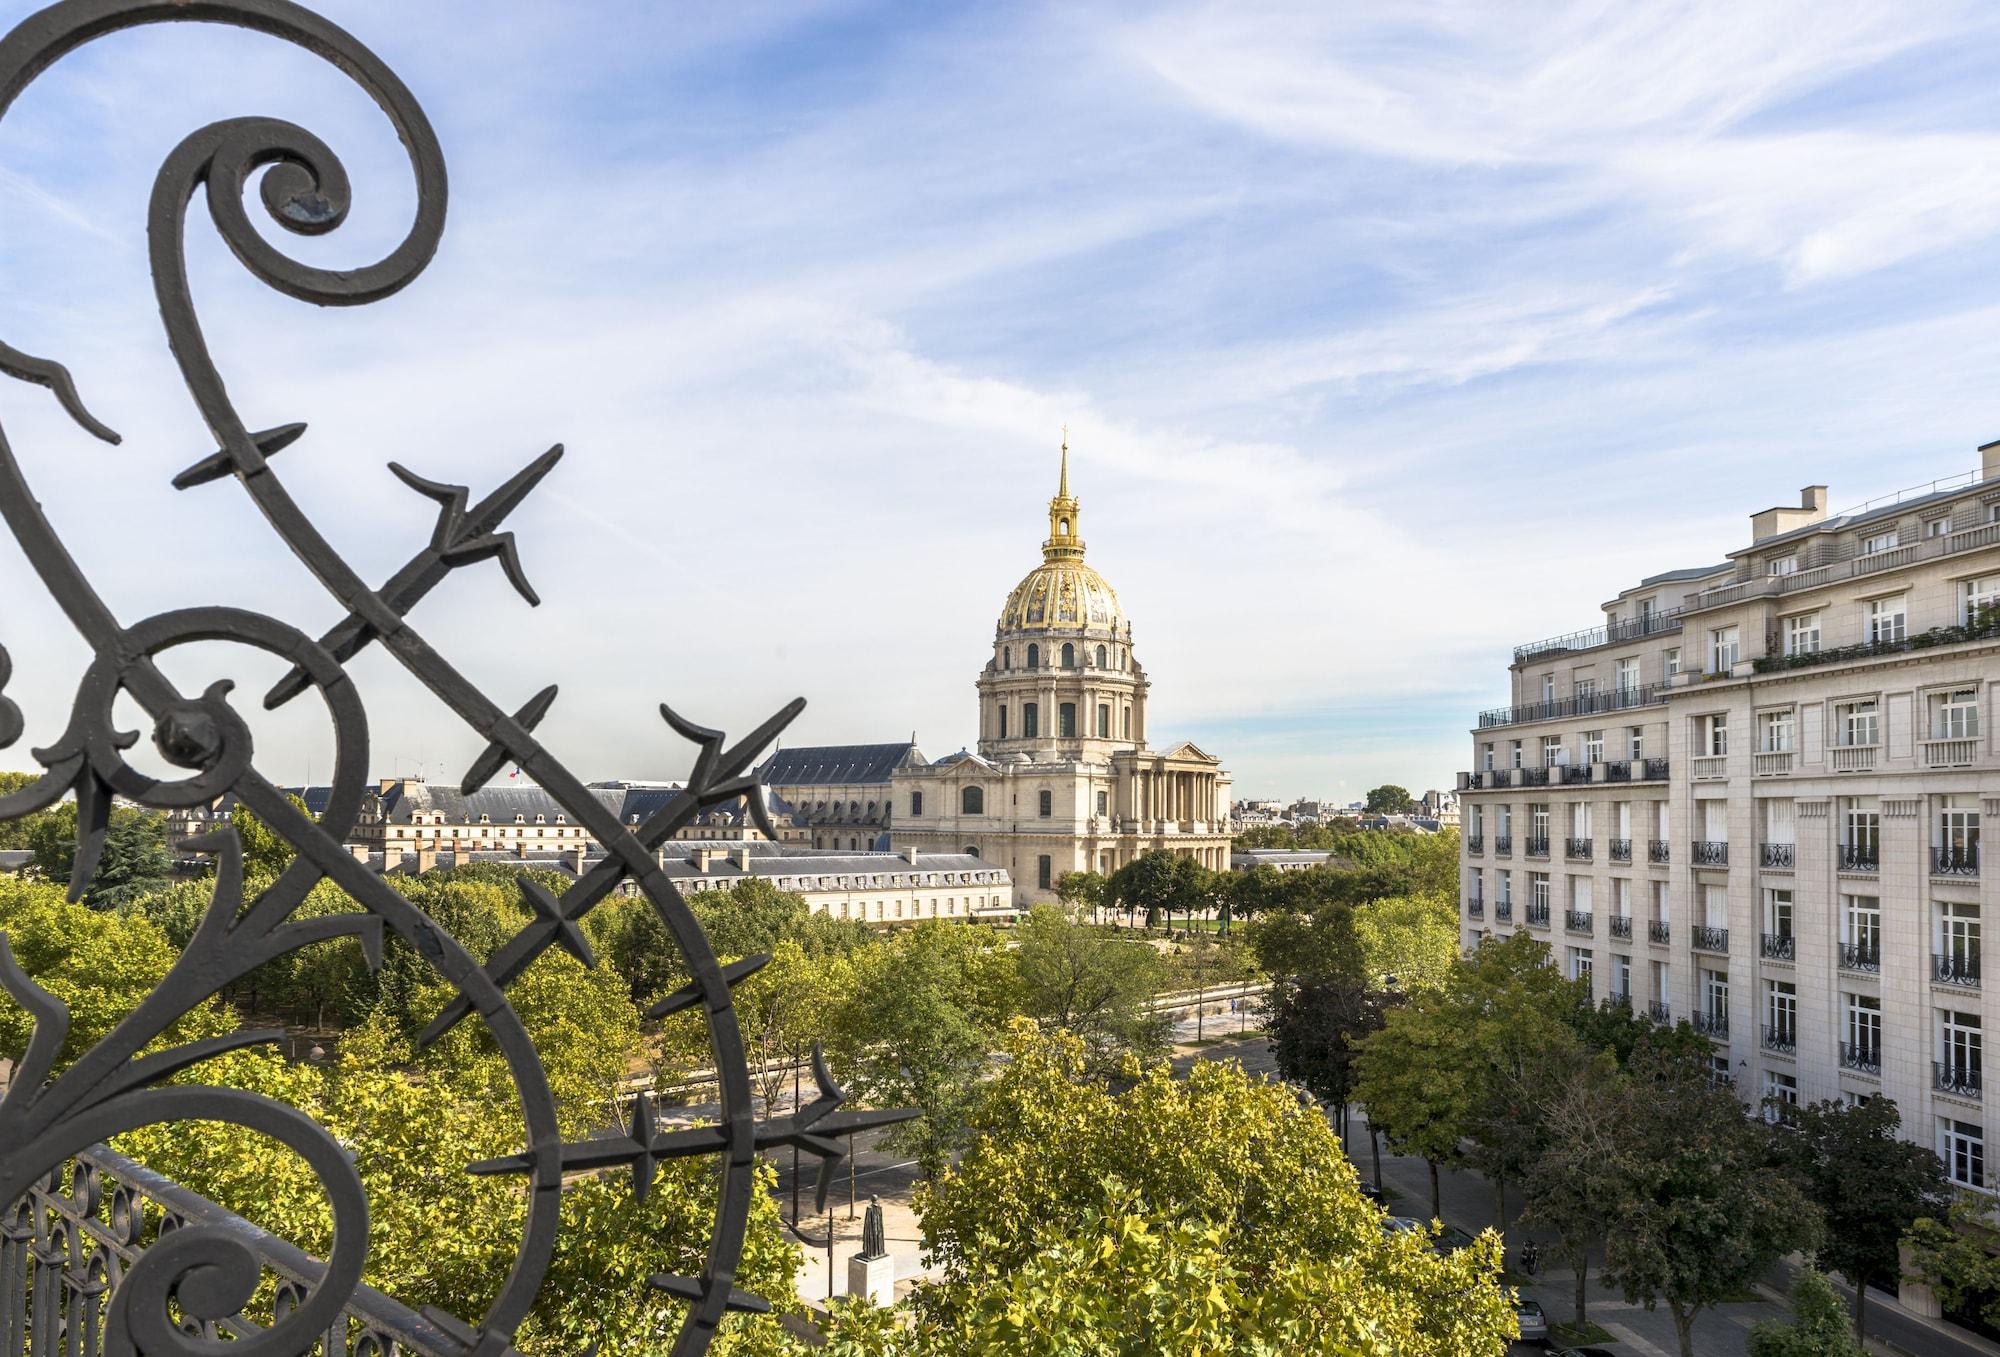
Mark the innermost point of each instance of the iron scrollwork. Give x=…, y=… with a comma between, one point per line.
x=48, y=1119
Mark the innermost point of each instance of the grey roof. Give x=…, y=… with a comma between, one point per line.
x=1687, y=573
x=14, y=859
x=838, y=764
x=500, y=805
x=766, y=860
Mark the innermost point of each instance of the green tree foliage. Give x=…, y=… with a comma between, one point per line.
x=1317, y=1025
x=1388, y=799
x=1321, y=942
x=748, y=919
x=919, y=1024
x=1871, y=1184
x=1409, y=941
x=1093, y=984
x=265, y=854
x=1571, y=1166
x=1081, y=890
x=1701, y=1215
x=1159, y=884
x=1818, y=1327
x=135, y=862
x=785, y=1009
x=14, y=834
x=1958, y=1256
x=1209, y=1215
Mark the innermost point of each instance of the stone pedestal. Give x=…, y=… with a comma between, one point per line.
x=874, y=1278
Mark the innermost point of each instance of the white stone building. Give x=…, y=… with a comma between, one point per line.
x=1753, y=799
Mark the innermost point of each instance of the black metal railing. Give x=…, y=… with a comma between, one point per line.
x=1925, y=640
x=1955, y=859
x=1656, y=770
x=1475, y=909
x=1576, y=920
x=1961, y=1078
x=1705, y=938
x=1619, y=770
x=1710, y=853
x=1475, y=843
x=1955, y=968
x=1503, y=910
x=1777, y=854
x=1575, y=773
x=1659, y=1010
x=1537, y=847
x=1621, y=927
x=1591, y=704
x=1503, y=844
x=1617, y=1000
x=1577, y=850
x=1659, y=930
x=1779, y=947
x=1783, y=1039
x=1620, y=850
x=1538, y=915
x=1711, y=1024
x=1658, y=850
x=1867, y=1059
x=1533, y=777
x=1631, y=629
x=1859, y=957
x=1853, y=859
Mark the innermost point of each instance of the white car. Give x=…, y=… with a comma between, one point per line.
x=1534, y=1323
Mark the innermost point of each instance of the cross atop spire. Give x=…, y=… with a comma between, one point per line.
x=1065, y=541
x=1062, y=491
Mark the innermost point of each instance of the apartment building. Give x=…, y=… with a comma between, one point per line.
x=1752, y=799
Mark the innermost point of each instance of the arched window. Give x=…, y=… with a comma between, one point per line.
x=1030, y=720
x=1103, y=721
x=972, y=850
x=1034, y=657
x=1062, y=527
x=972, y=801
x=1100, y=657
x=1047, y=804
x=1068, y=656
x=1003, y=723
x=1066, y=720
x=1007, y=658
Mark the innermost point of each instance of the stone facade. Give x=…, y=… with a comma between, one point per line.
x=1753, y=799
x=1062, y=778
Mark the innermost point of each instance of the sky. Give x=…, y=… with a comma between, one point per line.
x=1387, y=336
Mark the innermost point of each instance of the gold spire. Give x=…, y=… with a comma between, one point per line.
x=1065, y=541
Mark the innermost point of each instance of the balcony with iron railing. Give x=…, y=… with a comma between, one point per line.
x=1960, y=967
x=1710, y=853
x=1865, y=1059
x=1618, y=770
x=1537, y=915
x=1537, y=846
x=1860, y=957
x=1531, y=777
x=1955, y=859
x=1660, y=931
x=1577, y=920
x=1708, y=938
x=1659, y=1010
x=1589, y=704
x=1778, y=856
x=1779, y=947
x=1711, y=1024
x=1475, y=908
x=1575, y=773
x=1986, y=629
x=1504, y=911
x=1784, y=1039
x=1475, y=843
x=1961, y=1079
x=1503, y=845
x=1621, y=927
x=1659, y=850
x=1577, y=850
x=1866, y=858
x=1630, y=629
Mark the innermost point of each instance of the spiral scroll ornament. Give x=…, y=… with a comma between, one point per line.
x=45, y=1119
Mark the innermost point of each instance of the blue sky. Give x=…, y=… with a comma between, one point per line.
x=1388, y=337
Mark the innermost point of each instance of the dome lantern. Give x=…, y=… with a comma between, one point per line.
x=1063, y=594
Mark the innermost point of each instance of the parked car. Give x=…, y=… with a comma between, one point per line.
x=1400, y=1224
x=1534, y=1323
x=1373, y=1193
x=1451, y=1240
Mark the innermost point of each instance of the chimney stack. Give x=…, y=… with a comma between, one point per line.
x=1989, y=461
x=741, y=856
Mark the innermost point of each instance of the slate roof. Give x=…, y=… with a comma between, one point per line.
x=838, y=764
x=502, y=804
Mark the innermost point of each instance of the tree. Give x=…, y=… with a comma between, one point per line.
x=1321, y=943
x=1081, y=890
x=1388, y=799
x=918, y=1027
x=1701, y=1215
x=1411, y=941
x=1317, y=1024
x=134, y=863
x=14, y=834
x=1871, y=1184
x=1101, y=988
x=265, y=854
x=1417, y=1080
x=1213, y=1214
x=1818, y=1327
x=784, y=1009
x=1158, y=883
x=1956, y=1256
x=1572, y=1182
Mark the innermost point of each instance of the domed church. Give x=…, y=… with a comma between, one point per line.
x=1062, y=779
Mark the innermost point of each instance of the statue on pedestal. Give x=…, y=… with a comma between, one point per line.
x=874, y=1237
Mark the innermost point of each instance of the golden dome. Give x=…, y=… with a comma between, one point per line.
x=1062, y=593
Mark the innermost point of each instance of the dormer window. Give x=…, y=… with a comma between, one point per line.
x=1879, y=542
x=1782, y=565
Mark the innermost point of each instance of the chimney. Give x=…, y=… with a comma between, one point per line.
x=576, y=860
x=912, y=854
x=702, y=857
x=427, y=860
x=383, y=785
x=1989, y=461
x=1784, y=518
x=1813, y=498
x=741, y=857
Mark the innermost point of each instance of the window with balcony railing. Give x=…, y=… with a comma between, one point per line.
x=1778, y=855
x=1621, y=927
x=1577, y=850
x=1708, y=938
x=1577, y=920
x=1710, y=853
x=1778, y=947
x=1659, y=930
x=1620, y=850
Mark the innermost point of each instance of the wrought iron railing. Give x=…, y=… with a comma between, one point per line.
x=1956, y=1077
x=1576, y=920
x=1659, y=850
x=1503, y=910
x=1619, y=850
x=1707, y=938
x=1621, y=927
x=1593, y=704
x=1777, y=854
x=1503, y=845
x=1618, y=770
x=1531, y=777
x=1656, y=770
x=1955, y=859
x=1865, y=859
x=109, y=1088
x=1865, y=1058
x=1659, y=1010
x=1955, y=968
x=1711, y=1025
x=1577, y=850
x=1538, y=915
x=1631, y=629
x=1710, y=853
x=1475, y=908
x=1860, y=957
x=1783, y=1039
x=1779, y=947
x=1659, y=930
x=1575, y=773
x=1475, y=843
x=1537, y=846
